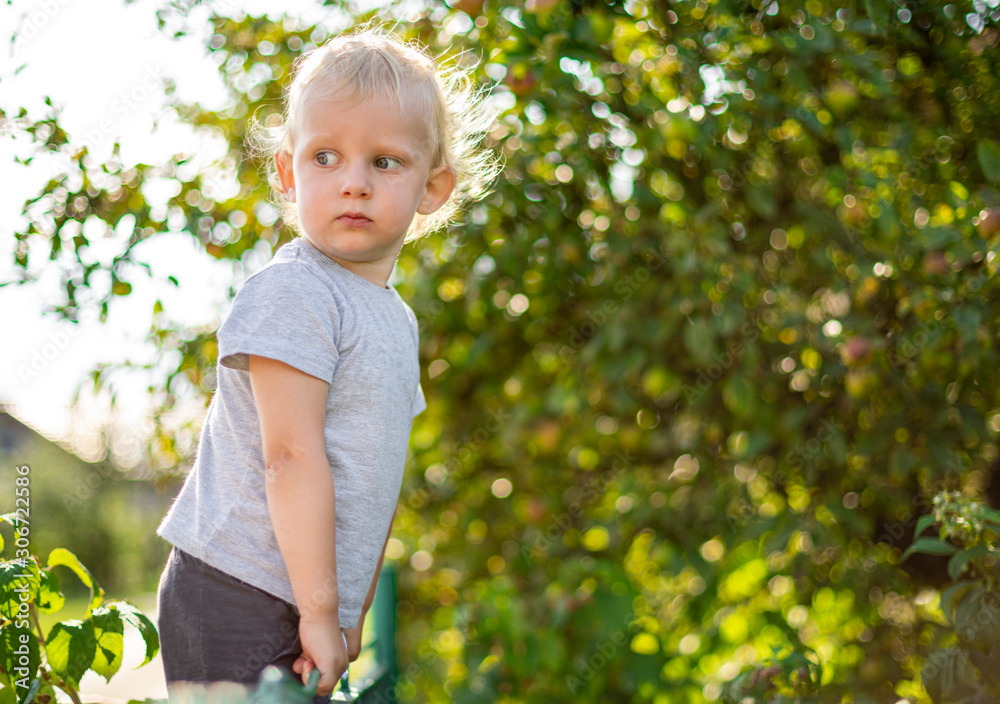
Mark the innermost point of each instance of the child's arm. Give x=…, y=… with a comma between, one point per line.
x=353, y=635
x=300, y=498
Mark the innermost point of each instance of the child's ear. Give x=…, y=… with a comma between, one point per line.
x=439, y=186
x=283, y=162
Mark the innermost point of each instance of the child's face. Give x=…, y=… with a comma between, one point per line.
x=358, y=173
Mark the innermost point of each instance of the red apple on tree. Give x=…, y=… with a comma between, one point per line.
x=989, y=221
x=935, y=264
x=473, y=8
x=520, y=85
x=536, y=6
x=856, y=351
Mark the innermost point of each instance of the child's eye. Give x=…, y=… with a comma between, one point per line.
x=387, y=162
x=324, y=158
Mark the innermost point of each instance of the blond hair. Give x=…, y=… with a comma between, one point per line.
x=372, y=62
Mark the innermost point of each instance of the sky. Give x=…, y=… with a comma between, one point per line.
x=103, y=63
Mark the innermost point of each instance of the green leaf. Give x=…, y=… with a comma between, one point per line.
x=948, y=596
x=989, y=159
x=988, y=663
x=109, y=630
x=6, y=691
x=958, y=562
x=49, y=599
x=977, y=620
x=991, y=516
x=62, y=556
x=146, y=628
x=930, y=546
x=18, y=585
x=923, y=523
x=965, y=608
x=948, y=676
x=70, y=649
x=19, y=656
x=959, y=190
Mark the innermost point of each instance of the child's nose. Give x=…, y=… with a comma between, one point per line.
x=356, y=182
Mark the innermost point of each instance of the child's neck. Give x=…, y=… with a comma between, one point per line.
x=376, y=272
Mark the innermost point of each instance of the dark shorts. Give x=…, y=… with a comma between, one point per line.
x=215, y=628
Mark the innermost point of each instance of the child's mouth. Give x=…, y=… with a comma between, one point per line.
x=352, y=220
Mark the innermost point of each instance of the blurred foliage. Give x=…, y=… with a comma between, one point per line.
x=792, y=677
x=966, y=671
x=117, y=541
x=693, y=369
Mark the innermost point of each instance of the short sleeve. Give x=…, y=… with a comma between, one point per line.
x=283, y=312
x=419, y=403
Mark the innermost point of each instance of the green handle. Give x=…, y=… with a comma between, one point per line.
x=280, y=687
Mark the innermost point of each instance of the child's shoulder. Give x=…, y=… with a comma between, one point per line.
x=288, y=268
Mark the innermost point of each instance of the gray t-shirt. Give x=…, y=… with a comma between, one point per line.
x=306, y=310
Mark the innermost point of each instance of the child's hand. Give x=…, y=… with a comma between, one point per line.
x=323, y=648
x=353, y=637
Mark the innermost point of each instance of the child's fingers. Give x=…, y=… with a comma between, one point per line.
x=304, y=666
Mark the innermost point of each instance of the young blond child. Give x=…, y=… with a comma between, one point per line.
x=280, y=529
